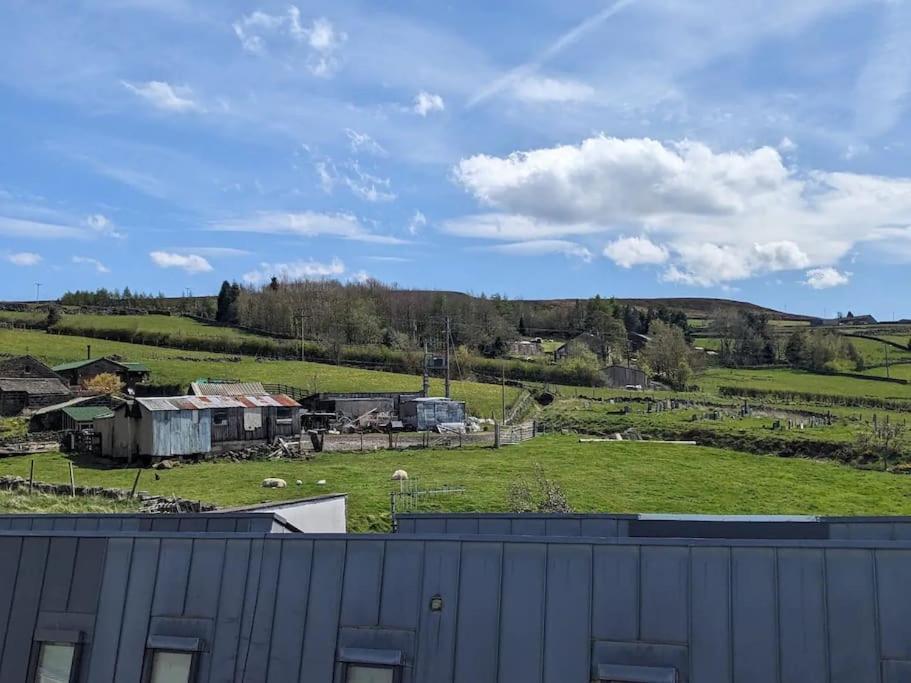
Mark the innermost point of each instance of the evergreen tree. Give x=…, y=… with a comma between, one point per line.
x=222, y=309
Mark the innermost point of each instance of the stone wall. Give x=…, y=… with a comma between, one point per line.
x=147, y=502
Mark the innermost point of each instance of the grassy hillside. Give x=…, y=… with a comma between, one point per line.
x=168, y=324
x=776, y=379
x=171, y=366
x=618, y=477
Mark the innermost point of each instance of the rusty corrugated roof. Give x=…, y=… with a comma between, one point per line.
x=209, y=402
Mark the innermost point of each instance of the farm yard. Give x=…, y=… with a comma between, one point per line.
x=742, y=418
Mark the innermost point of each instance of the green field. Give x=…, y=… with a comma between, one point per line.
x=14, y=317
x=618, y=477
x=172, y=366
x=778, y=379
x=167, y=324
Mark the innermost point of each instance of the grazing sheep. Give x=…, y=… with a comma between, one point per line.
x=400, y=475
x=274, y=483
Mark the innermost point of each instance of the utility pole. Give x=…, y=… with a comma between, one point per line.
x=503, y=391
x=37, y=292
x=425, y=384
x=446, y=354
x=302, y=335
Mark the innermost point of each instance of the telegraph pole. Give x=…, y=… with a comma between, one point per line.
x=37, y=292
x=302, y=335
x=446, y=354
x=503, y=391
x=425, y=385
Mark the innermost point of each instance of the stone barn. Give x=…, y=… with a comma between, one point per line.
x=25, y=367
x=18, y=394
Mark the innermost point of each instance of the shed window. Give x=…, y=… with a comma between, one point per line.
x=371, y=666
x=283, y=415
x=172, y=659
x=171, y=667
x=56, y=663
x=369, y=674
x=220, y=418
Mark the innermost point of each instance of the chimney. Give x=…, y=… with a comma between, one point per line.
x=88, y=352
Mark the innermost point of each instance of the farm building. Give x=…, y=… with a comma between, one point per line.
x=53, y=418
x=422, y=414
x=25, y=367
x=191, y=425
x=109, y=601
x=18, y=394
x=78, y=372
x=619, y=376
x=526, y=348
x=354, y=405
x=586, y=339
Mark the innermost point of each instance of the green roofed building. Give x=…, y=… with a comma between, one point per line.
x=78, y=372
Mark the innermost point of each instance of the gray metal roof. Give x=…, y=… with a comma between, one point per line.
x=34, y=385
x=553, y=610
x=228, y=389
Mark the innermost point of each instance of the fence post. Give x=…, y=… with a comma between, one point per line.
x=496, y=435
x=72, y=481
x=31, y=476
x=135, y=483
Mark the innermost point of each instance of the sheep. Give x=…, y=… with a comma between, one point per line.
x=274, y=483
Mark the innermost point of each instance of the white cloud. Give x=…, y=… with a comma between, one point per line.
x=823, y=278
x=787, y=145
x=191, y=263
x=296, y=270
x=634, y=251
x=103, y=225
x=20, y=227
x=164, y=96
x=320, y=36
x=211, y=252
x=544, y=247
x=24, y=258
x=511, y=227
x=305, y=224
x=360, y=276
x=362, y=142
x=544, y=89
x=95, y=263
x=705, y=208
x=564, y=41
x=418, y=221
x=391, y=259
x=425, y=103
x=884, y=83
x=367, y=186
x=327, y=176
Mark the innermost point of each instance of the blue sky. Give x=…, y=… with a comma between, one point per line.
x=752, y=150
